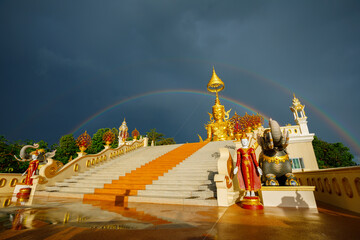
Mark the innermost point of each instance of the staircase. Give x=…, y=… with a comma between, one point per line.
x=190, y=183
x=137, y=180
x=86, y=182
x=172, y=174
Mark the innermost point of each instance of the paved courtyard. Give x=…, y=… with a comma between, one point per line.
x=66, y=219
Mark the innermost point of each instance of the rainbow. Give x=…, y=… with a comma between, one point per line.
x=149, y=94
x=321, y=114
x=336, y=126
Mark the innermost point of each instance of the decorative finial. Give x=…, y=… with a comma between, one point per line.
x=215, y=85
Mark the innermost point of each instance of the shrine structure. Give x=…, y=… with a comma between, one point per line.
x=204, y=173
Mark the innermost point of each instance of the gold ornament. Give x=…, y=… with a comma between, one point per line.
x=219, y=128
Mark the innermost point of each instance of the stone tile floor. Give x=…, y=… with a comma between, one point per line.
x=71, y=219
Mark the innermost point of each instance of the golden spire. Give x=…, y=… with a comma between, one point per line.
x=215, y=85
x=296, y=103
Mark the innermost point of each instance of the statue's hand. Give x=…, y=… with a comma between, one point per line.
x=236, y=170
x=260, y=171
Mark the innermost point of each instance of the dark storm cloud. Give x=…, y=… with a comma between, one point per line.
x=63, y=61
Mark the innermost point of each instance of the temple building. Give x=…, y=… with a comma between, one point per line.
x=300, y=148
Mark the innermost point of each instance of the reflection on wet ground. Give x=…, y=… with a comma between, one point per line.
x=66, y=219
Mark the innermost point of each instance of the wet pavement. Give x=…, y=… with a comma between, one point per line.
x=69, y=219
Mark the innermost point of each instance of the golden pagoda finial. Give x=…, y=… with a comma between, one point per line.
x=296, y=102
x=215, y=85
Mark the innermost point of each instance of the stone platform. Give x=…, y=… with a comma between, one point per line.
x=288, y=196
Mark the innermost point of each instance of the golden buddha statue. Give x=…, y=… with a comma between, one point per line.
x=219, y=128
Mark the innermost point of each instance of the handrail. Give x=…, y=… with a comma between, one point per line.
x=9, y=180
x=336, y=186
x=52, y=172
x=48, y=175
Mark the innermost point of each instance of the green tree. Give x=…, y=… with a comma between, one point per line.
x=43, y=145
x=8, y=163
x=166, y=141
x=97, y=141
x=154, y=136
x=67, y=148
x=330, y=155
x=115, y=144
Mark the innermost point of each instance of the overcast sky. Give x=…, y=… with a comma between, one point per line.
x=62, y=62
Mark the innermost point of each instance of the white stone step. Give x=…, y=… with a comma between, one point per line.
x=81, y=190
x=164, y=193
x=80, y=185
x=179, y=169
x=178, y=177
x=95, y=176
x=90, y=181
x=182, y=181
x=52, y=189
x=173, y=200
x=172, y=187
x=186, y=174
x=203, y=194
x=110, y=174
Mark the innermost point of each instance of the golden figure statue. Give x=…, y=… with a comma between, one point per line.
x=219, y=128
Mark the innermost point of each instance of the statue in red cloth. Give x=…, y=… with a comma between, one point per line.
x=35, y=158
x=247, y=168
x=33, y=166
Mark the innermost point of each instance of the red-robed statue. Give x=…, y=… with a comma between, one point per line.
x=35, y=158
x=247, y=168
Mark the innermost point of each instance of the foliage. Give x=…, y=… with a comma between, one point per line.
x=331, y=155
x=166, y=141
x=154, y=136
x=67, y=148
x=115, y=144
x=97, y=141
x=159, y=138
x=8, y=163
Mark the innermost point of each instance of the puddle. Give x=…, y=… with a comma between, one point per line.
x=96, y=215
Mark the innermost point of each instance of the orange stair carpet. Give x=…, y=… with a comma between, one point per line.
x=137, y=179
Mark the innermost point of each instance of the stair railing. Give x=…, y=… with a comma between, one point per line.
x=50, y=173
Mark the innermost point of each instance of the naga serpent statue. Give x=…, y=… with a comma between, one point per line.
x=274, y=160
x=36, y=158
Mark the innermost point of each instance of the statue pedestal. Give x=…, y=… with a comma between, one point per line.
x=288, y=196
x=17, y=188
x=251, y=203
